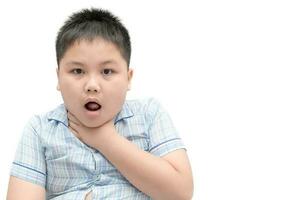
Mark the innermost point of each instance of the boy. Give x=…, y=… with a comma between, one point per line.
x=97, y=145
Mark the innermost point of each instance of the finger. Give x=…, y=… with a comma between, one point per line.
x=74, y=132
x=72, y=118
x=74, y=125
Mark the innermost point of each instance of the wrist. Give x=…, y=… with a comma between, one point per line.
x=108, y=135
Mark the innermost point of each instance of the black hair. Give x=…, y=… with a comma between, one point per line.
x=89, y=24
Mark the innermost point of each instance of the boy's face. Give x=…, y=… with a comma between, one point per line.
x=93, y=71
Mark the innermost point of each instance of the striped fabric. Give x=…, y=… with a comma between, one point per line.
x=49, y=154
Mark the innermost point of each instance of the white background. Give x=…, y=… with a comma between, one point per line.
x=227, y=72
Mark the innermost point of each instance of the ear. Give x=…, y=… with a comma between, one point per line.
x=57, y=74
x=129, y=75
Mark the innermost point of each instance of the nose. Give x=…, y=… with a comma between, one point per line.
x=92, y=85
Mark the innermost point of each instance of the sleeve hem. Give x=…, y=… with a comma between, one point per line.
x=167, y=147
x=28, y=174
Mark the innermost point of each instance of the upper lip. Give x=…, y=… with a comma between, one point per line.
x=90, y=99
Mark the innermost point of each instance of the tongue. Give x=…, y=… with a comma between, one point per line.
x=92, y=106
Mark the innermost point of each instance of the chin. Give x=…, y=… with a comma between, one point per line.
x=93, y=124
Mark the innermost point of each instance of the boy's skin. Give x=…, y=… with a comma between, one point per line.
x=96, y=70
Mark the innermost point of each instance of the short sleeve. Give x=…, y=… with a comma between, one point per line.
x=163, y=137
x=29, y=163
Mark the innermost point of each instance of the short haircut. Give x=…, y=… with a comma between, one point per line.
x=89, y=24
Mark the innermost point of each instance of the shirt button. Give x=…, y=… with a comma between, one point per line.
x=98, y=177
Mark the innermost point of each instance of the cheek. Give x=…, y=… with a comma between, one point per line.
x=68, y=91
x=68, y=85
x=117, y=94
x=118, y=90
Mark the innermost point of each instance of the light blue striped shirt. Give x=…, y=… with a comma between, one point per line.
x=50, y=155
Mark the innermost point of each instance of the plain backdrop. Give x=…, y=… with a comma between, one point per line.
x=227, y=72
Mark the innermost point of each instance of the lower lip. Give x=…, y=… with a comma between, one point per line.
x=92, y=114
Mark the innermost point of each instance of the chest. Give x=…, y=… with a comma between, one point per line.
x=72, y=164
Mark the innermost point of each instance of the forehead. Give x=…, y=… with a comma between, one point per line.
x=97, y=42
x=90, y=49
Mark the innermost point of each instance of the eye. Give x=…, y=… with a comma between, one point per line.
x=77, y=71
x=107, y=71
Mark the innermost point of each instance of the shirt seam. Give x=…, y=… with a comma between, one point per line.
x=29, y=168
x=163, y=143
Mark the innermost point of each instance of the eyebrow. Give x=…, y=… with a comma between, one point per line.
x=74, y=63
x=81, y=64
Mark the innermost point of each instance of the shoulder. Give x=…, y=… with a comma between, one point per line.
x=43, y=120
x=148, y=107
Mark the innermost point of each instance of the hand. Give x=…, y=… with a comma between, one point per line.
x=90, y=136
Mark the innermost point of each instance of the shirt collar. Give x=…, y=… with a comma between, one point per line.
x=60, y=114
x=125, y=112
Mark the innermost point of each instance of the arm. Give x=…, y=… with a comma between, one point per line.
x=19, y=189
x=28, y=171
x=167, y=177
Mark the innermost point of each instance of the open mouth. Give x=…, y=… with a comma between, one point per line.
x=92, y=106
